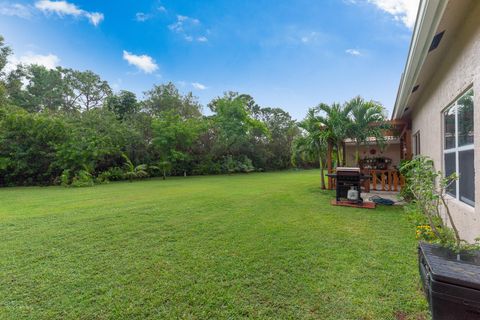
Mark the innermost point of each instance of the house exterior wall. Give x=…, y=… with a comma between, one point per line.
x=391, y=151
x=459, y=71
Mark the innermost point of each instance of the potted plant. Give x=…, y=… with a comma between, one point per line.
x=449, y=266
x=383, y=163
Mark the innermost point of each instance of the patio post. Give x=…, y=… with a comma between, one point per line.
x=408, y=144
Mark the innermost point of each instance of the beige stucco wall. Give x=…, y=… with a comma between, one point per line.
x=459, y=71
x=391, y=151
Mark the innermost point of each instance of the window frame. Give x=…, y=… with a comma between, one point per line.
x=416, y=141
x=457, y=149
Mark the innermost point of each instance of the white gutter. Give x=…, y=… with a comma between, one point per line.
x=429, y=14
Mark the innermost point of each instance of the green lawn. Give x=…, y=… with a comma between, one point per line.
x=256, y=246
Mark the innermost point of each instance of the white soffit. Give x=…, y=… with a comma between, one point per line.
x=429, y=15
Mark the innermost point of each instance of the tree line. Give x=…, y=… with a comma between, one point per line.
x=64, y=126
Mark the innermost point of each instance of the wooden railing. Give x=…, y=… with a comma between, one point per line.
x=385, y=180
x=381, y=180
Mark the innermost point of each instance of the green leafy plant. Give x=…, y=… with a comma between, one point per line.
x=134, y=172
x=165, y=167
x=103, y=177
x=82, y=179
x=65, y=178
x=427, y=187
x=367, y=121
x=115, y=174
x=232, y=165
x=311, y=145
x=406, y=193
x=246, y=165
x=229, y=164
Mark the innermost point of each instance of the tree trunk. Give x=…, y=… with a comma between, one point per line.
x=357, y=153
x=338, y=164
x=322, y=175
x=329, y=163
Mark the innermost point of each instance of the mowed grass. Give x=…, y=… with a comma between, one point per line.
x=260, y=246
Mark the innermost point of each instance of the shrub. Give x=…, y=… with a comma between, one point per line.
x=65, y=178
x=207, y=166
x=103, y=177
x=82, y=179
x=427, y=187
x=405, y=170
x=246, y=165
x=115, y=174
x=28, y=146
x=243, y=164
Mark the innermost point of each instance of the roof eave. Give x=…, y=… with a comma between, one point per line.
x=429, y=15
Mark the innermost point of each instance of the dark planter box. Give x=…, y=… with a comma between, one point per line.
x=452, y=286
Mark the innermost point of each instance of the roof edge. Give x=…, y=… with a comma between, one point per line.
x=429, y=15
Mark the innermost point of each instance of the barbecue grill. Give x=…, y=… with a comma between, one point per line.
x=348, y=179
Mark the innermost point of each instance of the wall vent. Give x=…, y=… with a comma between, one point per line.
x=436, y=41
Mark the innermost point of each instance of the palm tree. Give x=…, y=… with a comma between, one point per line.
x=165, y=166
x=312, y=145
x=336, y=125
x=368, y=121
x=132, y=171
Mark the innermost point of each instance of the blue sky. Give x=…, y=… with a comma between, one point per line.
x=288, y=54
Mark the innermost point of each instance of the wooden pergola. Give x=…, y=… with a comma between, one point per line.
x=398, y=128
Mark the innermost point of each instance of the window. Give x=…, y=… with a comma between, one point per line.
x=416, y=143
x=458, y=148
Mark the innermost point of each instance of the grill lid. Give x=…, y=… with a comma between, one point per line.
x=348, y=169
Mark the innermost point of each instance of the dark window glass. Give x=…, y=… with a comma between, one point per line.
x=467, y=176
x=450, y=128
x=416, y=141
x=465, y=119
x=449, y=169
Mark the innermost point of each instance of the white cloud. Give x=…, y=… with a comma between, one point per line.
x=64, y=8
x=142, y=62
x=58, y=7
x=95, y=18
x=353, y=52
x=309, y=37
x=178, y=25
x=402, y=10
x=199, y=86
x=15, y=10
x=187, y=26
x=49, y=61
x=140, y=16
